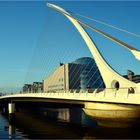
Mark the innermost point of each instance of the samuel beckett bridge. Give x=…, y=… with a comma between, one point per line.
x=119, y=100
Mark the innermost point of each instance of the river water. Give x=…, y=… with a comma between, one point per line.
x=59, y=124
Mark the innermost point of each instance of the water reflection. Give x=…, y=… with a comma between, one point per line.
x=8, y=129
x=63, y=114
x=11, y=130
x=40, y=125
x=68, y=124
x=72, y=115
x=63, y=123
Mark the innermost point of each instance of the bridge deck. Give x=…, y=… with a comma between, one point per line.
x=106, y=95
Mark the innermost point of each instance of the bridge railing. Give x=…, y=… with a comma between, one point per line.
x=97, y=91
x=105, y=91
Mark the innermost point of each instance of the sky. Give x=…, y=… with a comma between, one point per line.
x=34, y=38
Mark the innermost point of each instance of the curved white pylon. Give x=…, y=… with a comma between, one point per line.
x=108, y=74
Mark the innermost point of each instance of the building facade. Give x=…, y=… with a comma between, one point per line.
x=63, y=78
x=27, y=88
x=33, y=88
x=81, y=74
x=90, y=76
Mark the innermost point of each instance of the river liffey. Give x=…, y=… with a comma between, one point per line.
x=59, y=124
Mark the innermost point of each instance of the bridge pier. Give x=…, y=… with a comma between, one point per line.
x=11, y=111
x=3, y=107
x=3, y=110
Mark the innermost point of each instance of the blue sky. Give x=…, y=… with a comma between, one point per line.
x=34, y=39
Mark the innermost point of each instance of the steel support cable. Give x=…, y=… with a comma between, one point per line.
x=84, y=69
x=97, y=79
x=134, y=51
x=99, y=31
x=106, y=24
x=93, y=75
x=75, y=74
x=88, y=72
x=95, y=72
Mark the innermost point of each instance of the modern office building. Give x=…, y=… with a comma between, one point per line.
x=35, y=87
x=80, y=74
x=65, y=77
x=90, y=76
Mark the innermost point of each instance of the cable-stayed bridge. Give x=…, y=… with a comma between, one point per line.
x=119, y=100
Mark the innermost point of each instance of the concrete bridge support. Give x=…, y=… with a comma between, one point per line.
x=11, y=111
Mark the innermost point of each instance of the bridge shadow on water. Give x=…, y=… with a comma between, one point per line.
x=64, y=123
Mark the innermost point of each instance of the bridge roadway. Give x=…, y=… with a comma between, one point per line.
x=100, y=104
x=120, y=96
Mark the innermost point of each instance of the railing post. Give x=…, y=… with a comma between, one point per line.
x=127, y=94
x=104, y=92
x=86, y=92
x=95, y=91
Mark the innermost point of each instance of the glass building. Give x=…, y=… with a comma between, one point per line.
x=89, y=76
x=82, y=74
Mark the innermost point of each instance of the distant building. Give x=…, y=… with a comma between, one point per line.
x=132, y=77
x=34, y=88
x=80, y=74
x=37, y=87
x=27, y=88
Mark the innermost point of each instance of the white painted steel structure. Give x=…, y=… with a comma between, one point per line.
x=104, y=95
x=107, y=103
x=108, y=74
x=118, y=105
